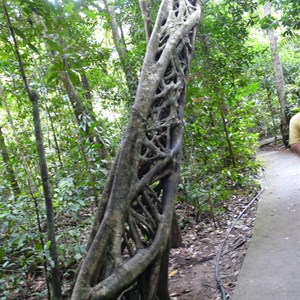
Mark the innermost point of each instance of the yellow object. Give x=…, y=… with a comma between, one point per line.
x=171, y=274
x=295, y=129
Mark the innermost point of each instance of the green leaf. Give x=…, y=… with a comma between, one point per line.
x=73, y=76
x=36, y=194
x=78, y=256
x=3, y=55
x=19, y=33
x=90, y=14
x=56, y=203
x=92, y=127
x=7, y=264
x=33, y=48
x=69, y=8
x=51, y=76
x=38, y=246
x=53, y=45
x=47, y=245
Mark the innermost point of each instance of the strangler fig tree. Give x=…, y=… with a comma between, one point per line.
x=127, y=254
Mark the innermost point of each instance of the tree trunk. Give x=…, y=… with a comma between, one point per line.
x=279, y=79
x=83, y=110
x=42, y=164
x=127, y=250
x=83, y=116
x=130, y=75
x=56, y=145
x=147, y=19
x=9, y=169
x=47, y=196
x=175, y=236
x=176, y=240
x=86, y=86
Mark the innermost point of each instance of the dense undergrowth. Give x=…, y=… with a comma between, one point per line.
x=24, y=251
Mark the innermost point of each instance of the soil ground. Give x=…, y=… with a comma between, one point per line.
x=192, y=266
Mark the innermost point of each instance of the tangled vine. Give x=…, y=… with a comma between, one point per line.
x=127, y=250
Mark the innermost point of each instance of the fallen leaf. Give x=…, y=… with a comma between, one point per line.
x=173, y=273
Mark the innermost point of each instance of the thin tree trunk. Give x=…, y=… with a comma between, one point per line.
x=130, y=75
x=147, y=19
x=128, y=246
x=31, y=187
x=47, y=196
x=57, y=149
x=86, y=86
x=83, y=116
x=279, y=78
x=42, y=164
x=176, y=240
x=83, y=111
x=9, y=169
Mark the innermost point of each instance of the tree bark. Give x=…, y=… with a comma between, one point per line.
x=57, y=295
x=86, y=86
x=130, y=75
x=57, y=149
x=83, y=110
x=83, y=116
x=47, y=196
x=279, y=79
x=147, y=19
x=131, y=231
x=175, y=236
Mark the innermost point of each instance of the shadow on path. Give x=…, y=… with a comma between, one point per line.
x=271, y=270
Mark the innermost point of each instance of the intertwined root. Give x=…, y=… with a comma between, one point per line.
x=133, y=222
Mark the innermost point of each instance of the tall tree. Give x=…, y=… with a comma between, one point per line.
x=33, y=97
x=83, y=110
x=128, y=247
x=279, y=78
x=146, y=18
x=121, y=49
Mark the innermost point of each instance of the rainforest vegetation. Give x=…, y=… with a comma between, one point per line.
x=75, y=78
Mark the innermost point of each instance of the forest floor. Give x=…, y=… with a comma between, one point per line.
x=192, y=266
x=192, y=273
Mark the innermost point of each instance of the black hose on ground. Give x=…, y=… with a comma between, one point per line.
x=219, y=255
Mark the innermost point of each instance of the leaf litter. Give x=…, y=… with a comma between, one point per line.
x=192, y=265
